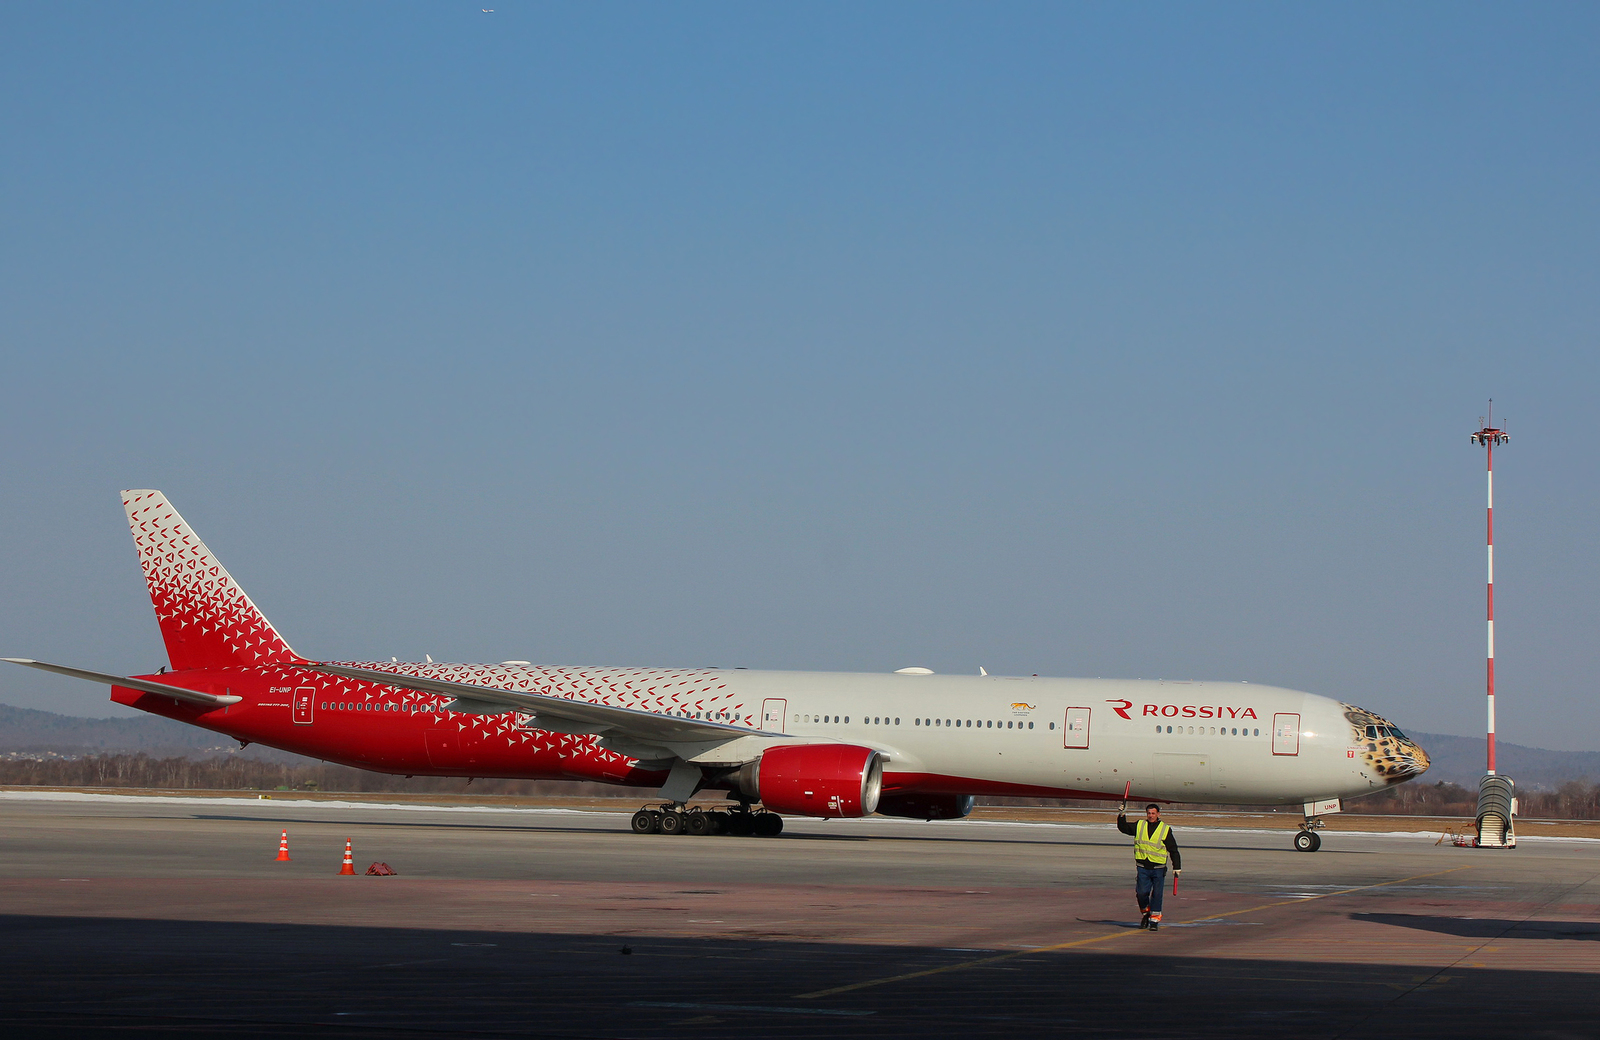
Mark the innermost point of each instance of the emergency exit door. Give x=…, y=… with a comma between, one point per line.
x=1286, y=733
x=1077, y=728
x=773, y=712
x=304, y=699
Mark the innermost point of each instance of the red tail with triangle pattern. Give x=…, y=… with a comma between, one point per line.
x=206, y=619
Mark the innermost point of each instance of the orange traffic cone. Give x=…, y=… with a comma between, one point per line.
x=283, y=848
x=349, y=864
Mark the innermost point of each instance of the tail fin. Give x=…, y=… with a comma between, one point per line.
x=206, y=619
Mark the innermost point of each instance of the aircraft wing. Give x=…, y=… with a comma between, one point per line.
x=561, y=715
x=206, y=700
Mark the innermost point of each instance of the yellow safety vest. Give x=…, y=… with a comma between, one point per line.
x=1151, y=847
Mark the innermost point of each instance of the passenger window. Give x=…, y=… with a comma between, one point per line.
x=1053, y=725
x=897, y=722
x=1169, y=729
x=1030, y=725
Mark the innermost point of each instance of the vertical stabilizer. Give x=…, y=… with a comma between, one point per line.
x=206, y=619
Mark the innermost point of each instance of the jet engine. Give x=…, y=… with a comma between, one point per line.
x=829, y=780
x=926, y=806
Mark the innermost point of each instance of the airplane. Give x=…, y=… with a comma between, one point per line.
x=827, y=745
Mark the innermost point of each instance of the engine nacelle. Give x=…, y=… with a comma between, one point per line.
x=829, y=780
x=926, y=806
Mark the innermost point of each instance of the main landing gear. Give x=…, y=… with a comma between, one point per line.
x=675, y=818
x=1308, y=840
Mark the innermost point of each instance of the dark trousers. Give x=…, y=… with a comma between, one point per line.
x=1149, y=886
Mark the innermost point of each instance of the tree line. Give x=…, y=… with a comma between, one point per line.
x=248, y=774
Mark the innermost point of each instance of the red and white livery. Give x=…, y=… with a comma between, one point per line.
x=908, y=743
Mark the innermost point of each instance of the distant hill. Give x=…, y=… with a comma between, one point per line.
x=26, y=732
x=1461, y=759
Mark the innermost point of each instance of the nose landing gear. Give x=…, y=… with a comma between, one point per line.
x=1308, y=840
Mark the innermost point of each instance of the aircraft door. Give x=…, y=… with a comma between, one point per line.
x=1286, y=733
x=304, y=700
x=1077, y=728
x=774, y=713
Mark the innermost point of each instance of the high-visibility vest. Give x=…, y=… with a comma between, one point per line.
x=1149, y=846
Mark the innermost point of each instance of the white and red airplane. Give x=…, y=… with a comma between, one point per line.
x=821, y=744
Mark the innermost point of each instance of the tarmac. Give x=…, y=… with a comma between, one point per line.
x=169, y=915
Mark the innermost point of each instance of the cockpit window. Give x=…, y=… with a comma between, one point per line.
x=1372, y=733
x=1395, y=732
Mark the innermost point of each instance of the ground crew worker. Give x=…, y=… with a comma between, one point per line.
x=1153, y=845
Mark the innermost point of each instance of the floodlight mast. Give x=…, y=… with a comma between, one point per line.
x=1488, y=437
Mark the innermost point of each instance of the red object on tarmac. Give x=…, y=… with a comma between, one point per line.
x=349, y=864
x=382, y=870
x=283, y=848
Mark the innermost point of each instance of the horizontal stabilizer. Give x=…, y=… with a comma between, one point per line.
x=207, y=700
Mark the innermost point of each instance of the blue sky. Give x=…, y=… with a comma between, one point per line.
x=1077, y=340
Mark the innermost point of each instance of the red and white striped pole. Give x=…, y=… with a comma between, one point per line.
x=1489, y=436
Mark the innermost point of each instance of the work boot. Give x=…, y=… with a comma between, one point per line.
x=1155, y=921
x=1144, y=920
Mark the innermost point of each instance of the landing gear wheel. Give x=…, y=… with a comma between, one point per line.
x=644, y=822
x=741, y=824
x=697, y=823
x=1307, y=841
x=768, y=825
x=671, y=821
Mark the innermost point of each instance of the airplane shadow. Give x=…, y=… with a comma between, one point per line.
x=87, y=975
x=1489, y=927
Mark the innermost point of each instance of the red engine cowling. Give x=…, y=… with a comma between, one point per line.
x=817, y=779
x=926, y=806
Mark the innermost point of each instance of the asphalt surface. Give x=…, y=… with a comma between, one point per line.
x=172, y=917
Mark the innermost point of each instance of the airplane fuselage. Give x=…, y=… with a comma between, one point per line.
x=1239, y=743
